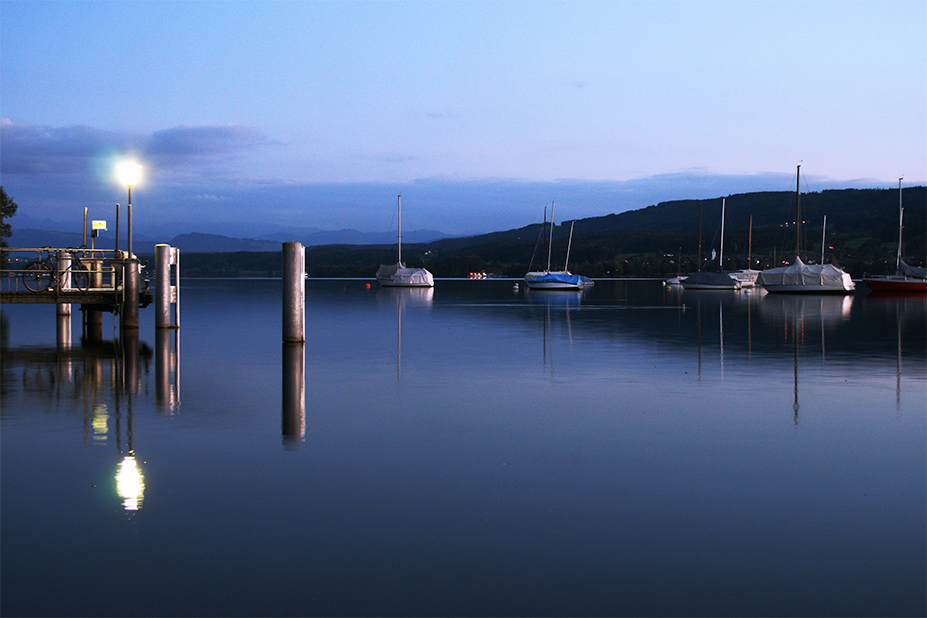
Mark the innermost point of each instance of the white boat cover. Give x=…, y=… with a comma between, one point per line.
x=399, y=275
x=806, y=277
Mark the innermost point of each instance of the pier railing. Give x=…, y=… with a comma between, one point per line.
x=53, y=274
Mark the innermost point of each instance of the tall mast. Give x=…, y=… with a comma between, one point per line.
x=399, y=234
x=550, y=242
x=750, y=250
x=797, y=211
x=721, y=253
x=900, y=224
x=823, y=235
x=700, y=236
x=566, y=265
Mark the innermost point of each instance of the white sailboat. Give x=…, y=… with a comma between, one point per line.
x=398, y=275
x=554, y=280
x=801, y=278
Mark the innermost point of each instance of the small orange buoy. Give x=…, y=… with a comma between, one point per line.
x=368, y=286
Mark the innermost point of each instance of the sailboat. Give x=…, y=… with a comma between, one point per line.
x=550, y=279
x=801, y=278
x=906, y=278
x=398, y=275
x=704, y=280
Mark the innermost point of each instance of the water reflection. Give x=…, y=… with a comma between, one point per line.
x=130, y=483
x=167, y=368
x=552, y=302
x=403, y=298
x=294, y=394
x=100, y=380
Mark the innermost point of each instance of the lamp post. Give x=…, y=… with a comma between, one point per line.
x=129, y=175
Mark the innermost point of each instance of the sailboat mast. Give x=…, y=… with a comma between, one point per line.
x=399, y=233
x=550, y=242
x=900, y=227
x=721, y=252
x=823, y=235
x=797, y=211
x=566, y=265
x=750, y=250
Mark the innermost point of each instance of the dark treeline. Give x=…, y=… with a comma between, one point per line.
x=861, y=236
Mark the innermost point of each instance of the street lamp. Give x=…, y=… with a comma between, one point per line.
x=129, y=174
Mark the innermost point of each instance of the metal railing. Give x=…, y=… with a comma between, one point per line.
x=53, y=270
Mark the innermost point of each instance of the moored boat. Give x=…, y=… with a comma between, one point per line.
x=704, y=280
x=550, y=279
x=907, y=278
x=802, y=278
x=399, y=275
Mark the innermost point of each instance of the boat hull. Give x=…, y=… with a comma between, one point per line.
x=710, y=281
x=554, y=286
x=807, y=289
x=897, y=285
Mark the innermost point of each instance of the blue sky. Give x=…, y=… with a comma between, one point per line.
x=253, y=115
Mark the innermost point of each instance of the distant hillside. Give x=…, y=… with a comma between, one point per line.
x=353, y=237
x=861, y=234
x=196, y=242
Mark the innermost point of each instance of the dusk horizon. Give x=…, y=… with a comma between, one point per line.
x=250, y=116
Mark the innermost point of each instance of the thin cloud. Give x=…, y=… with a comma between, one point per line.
x=41, y=150
x=204, y=141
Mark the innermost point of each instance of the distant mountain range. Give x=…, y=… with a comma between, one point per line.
x=859, y=213
x=214, y=243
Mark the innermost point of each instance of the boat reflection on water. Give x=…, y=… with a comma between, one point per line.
x=823, y=308
x=404, y=297
x=554, y=300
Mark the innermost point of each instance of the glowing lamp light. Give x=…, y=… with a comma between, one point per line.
x=129, y=173
x=130, y=484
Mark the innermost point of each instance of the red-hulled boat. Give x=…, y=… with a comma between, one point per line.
x=907, y=278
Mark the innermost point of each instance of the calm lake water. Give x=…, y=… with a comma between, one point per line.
x=470, y=450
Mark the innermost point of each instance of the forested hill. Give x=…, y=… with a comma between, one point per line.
x=861, y=235
x=866, y=210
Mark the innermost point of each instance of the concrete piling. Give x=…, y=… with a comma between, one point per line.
x=130, y=288
x=294, y=292
x=167, y=294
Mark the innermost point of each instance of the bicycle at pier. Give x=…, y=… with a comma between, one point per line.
x=48, y=272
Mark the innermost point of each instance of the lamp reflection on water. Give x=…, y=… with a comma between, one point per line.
x=130, y=483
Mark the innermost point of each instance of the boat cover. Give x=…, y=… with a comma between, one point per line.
x=913, y=271
x=800, y=274
x=721, y=281
x=400, y=275
x=554, y=278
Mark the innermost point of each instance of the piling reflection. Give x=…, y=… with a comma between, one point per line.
x=294, y=394
x=167, y=370
x=101, y=381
